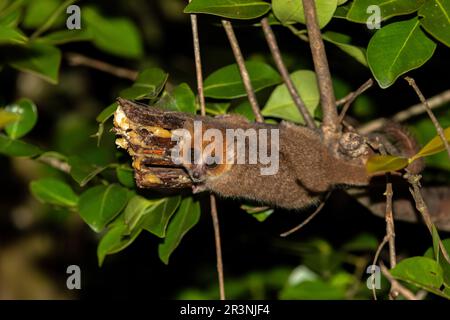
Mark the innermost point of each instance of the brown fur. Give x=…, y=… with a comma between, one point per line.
x=306, y=170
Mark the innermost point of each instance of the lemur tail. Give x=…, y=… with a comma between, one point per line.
x=405, y=143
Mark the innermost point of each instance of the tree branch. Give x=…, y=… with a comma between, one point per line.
x=351, y=97
x=415, y=110
x=390, y=231
x=76, y=59
x=375, y=259
x=274, y=49
x=198, y=64
x=307, y=220
x=215, y=219
x=214, y=214
x=421, y=206
x=242, y=69
x=433, y=118
x=330, y=124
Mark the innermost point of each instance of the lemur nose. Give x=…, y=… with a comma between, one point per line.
x=196, y=175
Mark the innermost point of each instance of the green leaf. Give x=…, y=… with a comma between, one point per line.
x=10, y=19
x=137, y=207
x=226, y=83
x=313, y=290
x=27, y=112
x=11, y=35
x=82, y=171
x=151, y=215
x=118, y=36
x=125, y=175
x=342, y=11
x=39, y=59
x=290, y=11
x=233, y=9
x=54, y=191
x=115, y=240
x=244, y=109
x=7, y=117
x=184, y=98
x=217, y=108
x=186, y=217
x=157, y=219
x=56, y=18
x=148, y=85
x=385, y=163
x=181, y=99
x=396, y=49
x=38, y=12
x=434, y=146
x=424, y=130
x=436, y=241
x=259, y=213
x=8, y=6
x=66, y=36
x=422, y=272
x=433, y=252
x=17, y=148
x=107, y=113
x=362, y=242
x=101, y=204
x=280, y=103
x=389, y=8
x=342, y=41
x=435, y=18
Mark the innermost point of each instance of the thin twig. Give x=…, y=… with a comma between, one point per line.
x=421, y=206
x=396, y=286
x=389, y=237
x=76, y=59
x=351, y=97
x=299, y=33
x=307, y=220
x=330, y=124
x=389, y=217
x=214, y=214
x=433, y=118
x=243, y=70
x=276, y=54
x=375, y=259
x=435, y=102
x=215, y=218
x=198, y=64
x=390, y=231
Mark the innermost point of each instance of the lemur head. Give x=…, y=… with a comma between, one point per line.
x=202, y=151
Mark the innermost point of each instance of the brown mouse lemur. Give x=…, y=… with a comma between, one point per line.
x=282, y=165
